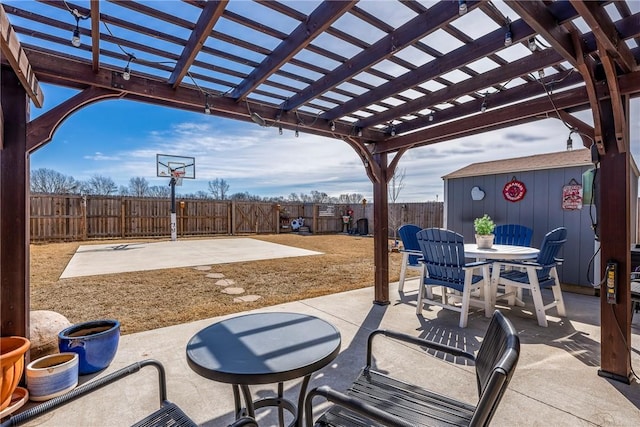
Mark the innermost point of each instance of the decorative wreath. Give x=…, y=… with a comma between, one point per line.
x=514, y=190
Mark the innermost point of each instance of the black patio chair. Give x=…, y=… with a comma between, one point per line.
x=169, y=414
x=377, y=399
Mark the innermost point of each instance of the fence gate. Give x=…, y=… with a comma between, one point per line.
x=251, y=217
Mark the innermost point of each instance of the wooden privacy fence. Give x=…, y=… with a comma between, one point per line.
x=70, y=218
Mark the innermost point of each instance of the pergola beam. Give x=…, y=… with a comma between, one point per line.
x=318, y=21
x=420, y=26
x=210, y=14
x=536, y=14
x=606, y=34
x=95, y=34
x=15, y=55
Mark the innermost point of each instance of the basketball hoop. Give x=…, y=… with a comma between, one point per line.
x=177, y=176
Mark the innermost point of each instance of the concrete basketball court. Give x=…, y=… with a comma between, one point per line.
x=91, y=260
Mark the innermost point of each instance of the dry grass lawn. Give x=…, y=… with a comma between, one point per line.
x=153, y=299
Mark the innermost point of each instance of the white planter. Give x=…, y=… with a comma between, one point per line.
x=484, y=241
x=52, y=375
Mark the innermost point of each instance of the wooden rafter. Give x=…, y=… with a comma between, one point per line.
x=418, y=27
x=321, y=18
x=482, y=81
x=606, y=34
x=210, y=14
x=95, y=34
x=13, y=52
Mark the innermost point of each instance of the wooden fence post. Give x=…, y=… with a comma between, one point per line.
x=123, y=213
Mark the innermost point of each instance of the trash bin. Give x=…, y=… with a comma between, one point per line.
x=363, y=226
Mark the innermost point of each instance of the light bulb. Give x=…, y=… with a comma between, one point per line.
x=280, y=130
x=541, y=73
x=431, y=117
x=508, y=39
x=532, y=44
x=297, y=133
x=127, y=73
x=332, y=126
x=483, y=108
x=359, y=132
x=569, y=143
x=207, y=108
x=393, y=131
x=75, y=40
x=462, y=7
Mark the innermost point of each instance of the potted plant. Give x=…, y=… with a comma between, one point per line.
x=484, y=231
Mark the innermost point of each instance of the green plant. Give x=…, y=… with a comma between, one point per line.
x=484, y=225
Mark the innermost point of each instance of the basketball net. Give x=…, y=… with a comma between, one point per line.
x=178, y=175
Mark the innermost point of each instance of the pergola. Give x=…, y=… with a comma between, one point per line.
x=383, y=76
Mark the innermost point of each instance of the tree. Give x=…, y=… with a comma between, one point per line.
x=100, y=185
x=319, y=197
x=219, y=188
x=138, y=187
x=45, y=180
x=395, y=187
x=159, y=191
x=352, y=198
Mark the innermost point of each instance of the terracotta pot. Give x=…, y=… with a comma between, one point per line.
x=52, y=375
x=484, y=241
x=11, y=366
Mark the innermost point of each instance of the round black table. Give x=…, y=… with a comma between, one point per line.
x=264, y=348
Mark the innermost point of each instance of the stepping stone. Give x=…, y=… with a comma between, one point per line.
x=225, y=282
x=203, y=267
x=247, y=298
x=215, y=275
x=233, y=291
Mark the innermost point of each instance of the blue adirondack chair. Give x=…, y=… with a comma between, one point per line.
x=410, y=251
x=444, y=263
x=512, y=234
x=535, y=275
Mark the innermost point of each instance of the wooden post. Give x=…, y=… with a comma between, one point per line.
x=381, y=233
x=232, y=218
x=14, y=208
x=615, y=233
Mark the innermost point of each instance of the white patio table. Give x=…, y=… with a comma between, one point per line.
x=501, y=252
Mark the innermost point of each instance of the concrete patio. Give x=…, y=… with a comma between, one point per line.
x=555, y=384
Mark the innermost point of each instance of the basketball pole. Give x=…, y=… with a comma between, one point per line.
x=174, y=234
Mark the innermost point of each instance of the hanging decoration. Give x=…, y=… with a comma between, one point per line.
x=514, y=190
x=572, y=195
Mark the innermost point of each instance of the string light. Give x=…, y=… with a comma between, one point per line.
x=207, y=107
x=332, y=126
x=75, y=39
x=297, y=133
x=280, y=130
x=533, y=46
x=462, y=7
x=508, y=37
x=431, y=117
x=541, y=73
x=483, y=107
x=570, y=141
x=126, y=74
x=360, y=132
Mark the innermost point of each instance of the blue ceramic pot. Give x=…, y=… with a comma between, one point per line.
x=96, y=343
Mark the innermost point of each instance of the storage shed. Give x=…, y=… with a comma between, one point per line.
x=541, y=192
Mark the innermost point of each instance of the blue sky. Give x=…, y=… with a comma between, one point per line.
x=120, y=139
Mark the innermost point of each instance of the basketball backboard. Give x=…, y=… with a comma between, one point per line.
x=167, y=165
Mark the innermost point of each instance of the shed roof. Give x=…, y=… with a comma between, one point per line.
x=519, y=164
